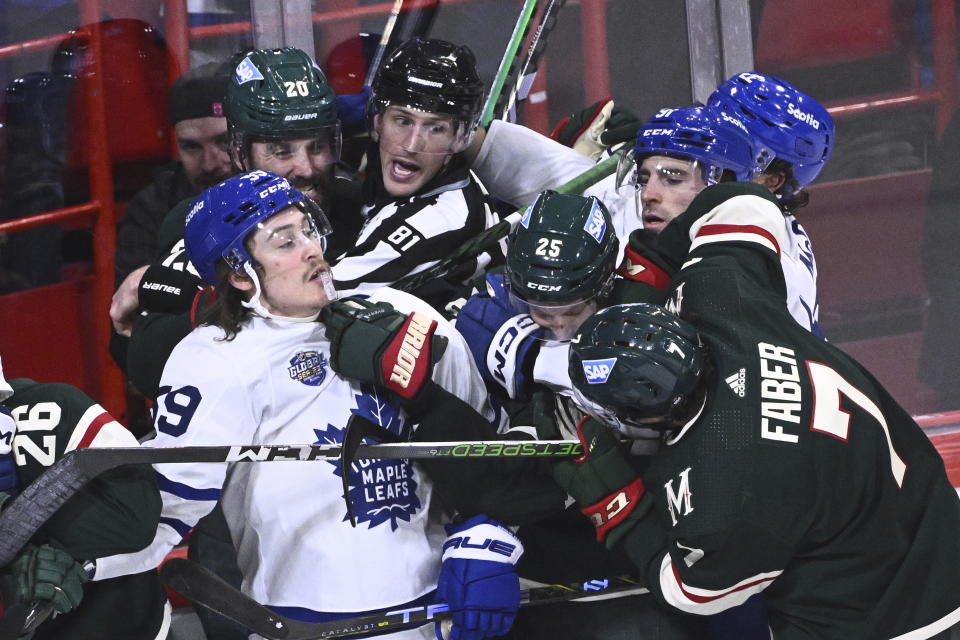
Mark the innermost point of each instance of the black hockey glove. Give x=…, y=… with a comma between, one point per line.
x=373, y=342
x=603, y=482
x=168, y=290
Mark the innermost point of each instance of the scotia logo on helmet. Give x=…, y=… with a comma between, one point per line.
x=734, y=121
x=596, y=226
x=194, y=210
x=247, y=71
x=598, y=371
x=802, y=116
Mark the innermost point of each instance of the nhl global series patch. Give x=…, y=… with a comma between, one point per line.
x=308, y=367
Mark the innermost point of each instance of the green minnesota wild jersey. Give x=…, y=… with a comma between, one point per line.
x=800, y=477
x=116, y=512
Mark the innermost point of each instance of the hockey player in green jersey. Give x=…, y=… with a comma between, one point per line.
x=116, y=513
x=785, y=467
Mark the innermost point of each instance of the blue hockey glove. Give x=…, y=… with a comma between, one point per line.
x=603, y=482
x=504, y=343
x=8, y=465
x=352, y=111
x=478, y=579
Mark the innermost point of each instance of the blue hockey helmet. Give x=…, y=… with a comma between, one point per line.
x=224, y=215
x=785, y=122
x=716, y=139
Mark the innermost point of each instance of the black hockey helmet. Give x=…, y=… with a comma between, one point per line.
x=433, y=76
x=637, y=366
x=562, y=257
x=280, y=94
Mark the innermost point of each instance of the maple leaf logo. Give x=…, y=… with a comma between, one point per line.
x=380, y=490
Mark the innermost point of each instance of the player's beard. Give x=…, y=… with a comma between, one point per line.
x=318, y=187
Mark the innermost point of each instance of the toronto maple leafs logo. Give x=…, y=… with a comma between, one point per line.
x=380, y=490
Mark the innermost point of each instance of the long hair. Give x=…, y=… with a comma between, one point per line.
x=798, y=197
x=226, y=310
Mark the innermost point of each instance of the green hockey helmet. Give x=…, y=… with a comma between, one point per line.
x=432, y=76
x=280, y=94
x=561, y=261
x=637, y=366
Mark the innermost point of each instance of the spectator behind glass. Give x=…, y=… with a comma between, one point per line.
x=196, y=113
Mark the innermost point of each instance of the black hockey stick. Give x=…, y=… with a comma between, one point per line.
x=538, y=46
x=41, y=498
x=198, y=584
x=487, y=239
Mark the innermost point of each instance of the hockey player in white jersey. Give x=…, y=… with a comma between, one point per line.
x=258, y=372
x=421, y=199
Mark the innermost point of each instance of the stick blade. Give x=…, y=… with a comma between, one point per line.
x=201, y=586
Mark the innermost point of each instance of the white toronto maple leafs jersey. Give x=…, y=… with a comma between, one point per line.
x=296, y=548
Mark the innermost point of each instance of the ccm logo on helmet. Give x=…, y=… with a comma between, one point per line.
x=802, y=116
x=283, y=184
x=543, y=287
x=597, y=371
x=658, y=132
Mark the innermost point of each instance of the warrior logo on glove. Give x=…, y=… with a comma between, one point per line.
x=407, y=361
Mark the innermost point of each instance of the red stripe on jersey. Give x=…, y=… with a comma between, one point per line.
x=721, y=229
x=642, y=269
x=720, y=594
x=93, y=430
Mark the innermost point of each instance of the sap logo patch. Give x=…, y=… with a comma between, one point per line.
x=598, y=371
x=596, y=226
x=308, y=367
x=247, y=71
x=525, y=220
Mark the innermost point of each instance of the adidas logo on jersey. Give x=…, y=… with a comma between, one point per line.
x=738, y=382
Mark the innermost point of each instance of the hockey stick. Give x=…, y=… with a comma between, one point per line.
x=42, y=497
x=384, y=41
x=538, y=46
x=508, y=62
x=490, y=237
x=198, y=584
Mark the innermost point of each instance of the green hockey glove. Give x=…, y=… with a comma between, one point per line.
x=603, y=482
x=44, y=573
x=373, y=342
